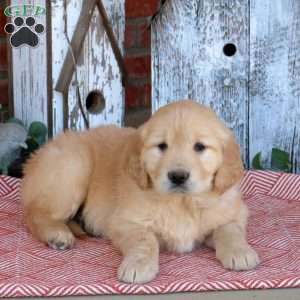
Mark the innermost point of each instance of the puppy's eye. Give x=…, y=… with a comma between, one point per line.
x=199, y=147
x=162, y=146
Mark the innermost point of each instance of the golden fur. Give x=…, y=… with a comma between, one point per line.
x=121, y=178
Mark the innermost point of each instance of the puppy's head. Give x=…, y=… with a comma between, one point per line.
x=185, y=148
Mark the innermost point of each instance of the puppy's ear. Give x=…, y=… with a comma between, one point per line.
x=231, y=170
x=133, y=163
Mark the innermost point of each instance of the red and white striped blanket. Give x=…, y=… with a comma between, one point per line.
x=29, y=268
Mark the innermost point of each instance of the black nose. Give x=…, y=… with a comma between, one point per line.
x=178, y=177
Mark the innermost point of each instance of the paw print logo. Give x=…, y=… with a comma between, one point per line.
x=24, y=32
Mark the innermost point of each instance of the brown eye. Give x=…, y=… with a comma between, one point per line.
x=199, y=147
x=162, y=146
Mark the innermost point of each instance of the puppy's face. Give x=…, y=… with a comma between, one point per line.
x=183, y=148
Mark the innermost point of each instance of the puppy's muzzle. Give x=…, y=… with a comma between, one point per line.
x=178, y=177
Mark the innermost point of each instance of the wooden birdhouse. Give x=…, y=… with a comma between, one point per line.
x=76, y=66
x=240, y=57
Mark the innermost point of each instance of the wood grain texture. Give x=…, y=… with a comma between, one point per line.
x=113, y=40
x=188, y=59
x=98, y=70
x=59, y=52
x=275, y=78
x=97, y=66
x=29, y=77
x=260, y=97
x=75, y=46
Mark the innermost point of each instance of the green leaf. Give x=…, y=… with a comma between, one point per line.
x=3, y=168
x=32, y=145
x=256, y=162
x=280, y=160
x=38, y=131
x=17, y=121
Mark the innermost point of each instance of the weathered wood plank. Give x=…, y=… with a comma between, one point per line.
x=29, y=76
x=59, y=52
x=116, y=13
x=188, y=60
x=275, y=78
x=98, y=70
x=105, y=66
x=97, y=67
x=113, y=40
x=75, y=46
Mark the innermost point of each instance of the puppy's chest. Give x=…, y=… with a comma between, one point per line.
x=178, y=230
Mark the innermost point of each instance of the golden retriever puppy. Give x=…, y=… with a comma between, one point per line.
x=171, y=184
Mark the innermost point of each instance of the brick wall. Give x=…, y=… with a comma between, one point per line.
x=3, y=64
x=138, y=51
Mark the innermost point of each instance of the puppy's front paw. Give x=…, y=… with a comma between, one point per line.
x=139, y=269
x=238, y=258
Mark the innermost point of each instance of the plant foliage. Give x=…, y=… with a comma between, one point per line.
x=280, y=161
x=36, y=137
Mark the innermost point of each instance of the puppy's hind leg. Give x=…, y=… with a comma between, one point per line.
x=55, y=185
x=48, y=223
x=55, y=233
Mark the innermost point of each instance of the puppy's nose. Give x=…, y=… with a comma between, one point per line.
x=178, y=177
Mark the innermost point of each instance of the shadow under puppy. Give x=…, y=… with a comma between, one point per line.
x=173, y=183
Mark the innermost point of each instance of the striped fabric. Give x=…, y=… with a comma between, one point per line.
x=28, y=268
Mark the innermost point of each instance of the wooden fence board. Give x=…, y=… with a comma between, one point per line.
x=188, y=59
x=29, y=76
x=256, y=91
x=275, y=78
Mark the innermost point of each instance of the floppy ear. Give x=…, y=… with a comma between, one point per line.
x=231, y=170
x=133, y=163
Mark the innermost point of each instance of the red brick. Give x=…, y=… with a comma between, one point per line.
x=4, y=91
x=137, y=42
x=138, y=67
x=3, y=21
x=3, y=57
x=138, y=35
x=130, y=35
x=141, y=8
x=138, y=95
x=145, y=35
